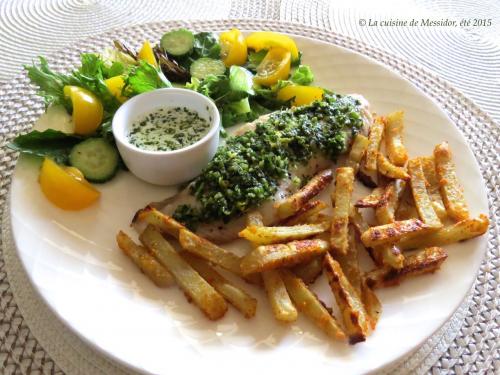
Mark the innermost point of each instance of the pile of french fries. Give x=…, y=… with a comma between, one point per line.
x=416, y=204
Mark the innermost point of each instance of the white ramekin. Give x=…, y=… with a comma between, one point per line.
x=166, y=167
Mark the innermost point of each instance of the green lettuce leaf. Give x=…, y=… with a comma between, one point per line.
x=303, y=75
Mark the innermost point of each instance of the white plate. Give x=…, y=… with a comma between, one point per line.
x=73, y=261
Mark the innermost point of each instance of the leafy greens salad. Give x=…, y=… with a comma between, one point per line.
x=245, y=77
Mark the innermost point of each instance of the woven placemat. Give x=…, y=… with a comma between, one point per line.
x=475, y=327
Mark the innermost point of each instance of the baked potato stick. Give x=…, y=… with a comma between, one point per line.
x=145, y=261
x=194, y=286
x=260, y=235
x=422, y=200
x=310, y=209
x=236, y=296
x=294, y=202
x=353, y=312
x=375, y=137
x=393, y=232
x=372, y=304
x=341, y=206
x=254, y=218
x=161, y=221
x=390, y=170
x=209, y=251
x=281, y=304
x=375, y=199
x=461, y=231
x=426, y=261
x=357, y=152
x=429, y=169
x=396, y=151
x=309, y=271
x=307, y=302
x=368, y=178
x=267, y=257
x=406, y=209
x=386, y=213
x=388, y=255
x=350, y=261
x=451, y=190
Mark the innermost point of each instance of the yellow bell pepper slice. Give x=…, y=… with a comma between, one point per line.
x=146, y=53
x=301, y=95
x=274, y=66
x=115, y=87
x=233, y=48
x=87, y=109
x=268, y=39
x=65, y=190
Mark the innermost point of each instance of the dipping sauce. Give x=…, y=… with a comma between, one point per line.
x=168, y=129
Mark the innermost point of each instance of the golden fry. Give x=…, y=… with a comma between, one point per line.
x=282, y=306
x=451, y=190
x=307, y=302
x=422, y=200
x=236, y=296
x=194, y=286
x=372, y=304
x=307, y=211
x=357, y=152
x=375, y=199
x=145, y=261
x=390, y=170
x=260, y=235
x=293, y=203
x=393, y=232
x=254, y=218
x=429, y=169
x=426, y=261
x=396, y=151
x=165, y=223
x=353, y=312
x=386, y=213
x=342, y=203
x=461, y=231
x=388, y=255
x=375, y=137
x=209, y=251
x=268, y=257
x=350, y=261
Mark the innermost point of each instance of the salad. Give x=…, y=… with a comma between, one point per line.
x=246, y=77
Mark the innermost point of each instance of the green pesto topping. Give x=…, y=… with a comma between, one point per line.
x=247, y=170
x=168, y=129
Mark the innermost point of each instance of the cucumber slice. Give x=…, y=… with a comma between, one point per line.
x=241, y=106
x=205, y=66
x=96, y=158
x=177, y=42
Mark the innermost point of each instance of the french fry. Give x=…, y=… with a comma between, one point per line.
x=368, y=178
x=426, y=261
x=310, y=209
x=282, y=306
x=390, y=170
x=260, y=235
x=461, y=231
x=311, y=270
x=267, y=257
x=375, y=137
x=406, y=209
x=357, y=220
x=422, y=201
x=393, y=232
x=341, y=206
x=386, y=212
x=372, y=304
x=294, y=202
x=353, y=312
x=165, y=223
x=388, y=255
x=209, y=251
x=375, y=199
x=350, y=261
x=145, y=261
x=254, y=218
x=396, y=151
x=429, y=169
x=307, y=302
x=357, y=152
x=451, y=190
x=236, y=296
x=194, y=286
